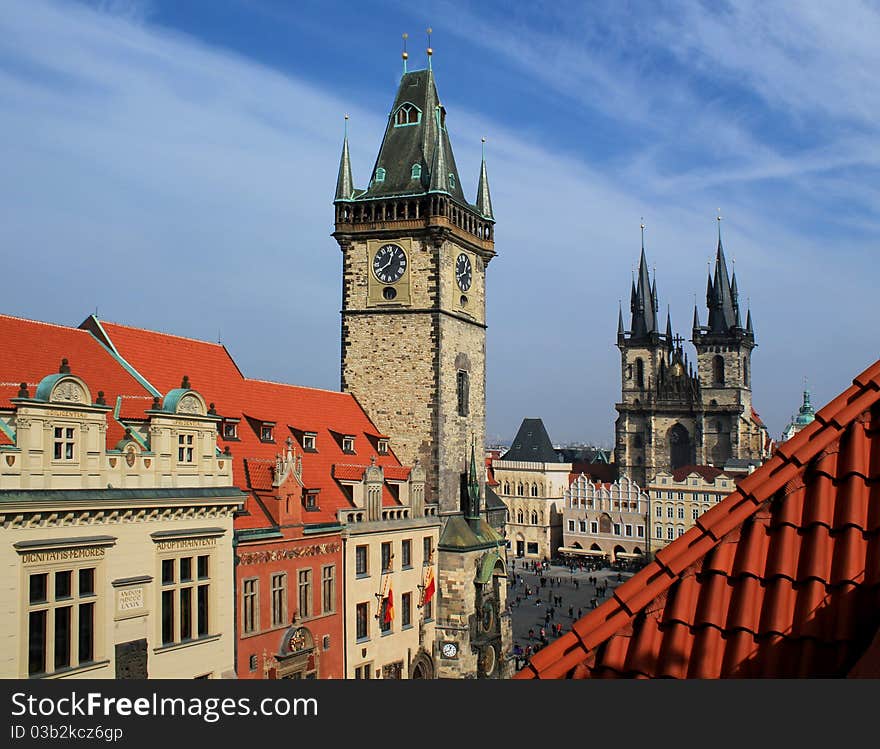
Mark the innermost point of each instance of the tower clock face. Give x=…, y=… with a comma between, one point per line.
x=463, y=272
x=389, y=263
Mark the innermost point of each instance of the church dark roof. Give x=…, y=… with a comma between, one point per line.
x=532, y=443
x=493, y=501
x=415, y=142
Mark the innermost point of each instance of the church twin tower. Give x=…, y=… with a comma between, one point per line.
x=672, y=415
x=415, y=254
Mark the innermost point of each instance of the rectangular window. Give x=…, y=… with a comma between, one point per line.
x=670, y=512
x=429, y=610
x=571, y=525
x=640, y=531
x=267, y=433
x=406, y=609
x=658, y=511
x=310, y=442
x=680, y=532
x=531, y=548
x=360, y=561
x=328, y=589
x=64, y=441
x=406, y=553
x=681, y=496
x=583, y=526
x=361, y=623
x=658, y=531
x=695, y=513
x=383, y=447
x=428, y=548
x=617, y=529
x=184, y=598
x=185, y=448
x=230, y=430
x=363, y=672
x=384, y=626
x=681, y=513
x=594, y=526
x=279, y=599
x=348, y=444
x=670, y=533
x=627, y=530
x=60, y=616
x=305, y=593
x=250, y=620
x=386, y=556
x=668, y=495
x=463, y=390
x=658, y=494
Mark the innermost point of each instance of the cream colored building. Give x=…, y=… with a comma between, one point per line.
x=390, y=554
x=605, y=521
x=678, y=499
x=116, y=562
x=532, y=482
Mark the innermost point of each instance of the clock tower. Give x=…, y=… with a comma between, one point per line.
x=414, y=258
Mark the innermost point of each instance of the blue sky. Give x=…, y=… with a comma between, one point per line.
x=173, y=165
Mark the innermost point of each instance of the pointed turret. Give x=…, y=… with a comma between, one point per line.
x=484, y=201
x=749, y=329
x=644, y=320
x=345, y=182
x=696, y=320
x=473, y=511
x=722, y=316
x=668, y=329
x=440, y=176
x=621, y=333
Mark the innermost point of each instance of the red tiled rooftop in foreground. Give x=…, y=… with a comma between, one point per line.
x=781, y=579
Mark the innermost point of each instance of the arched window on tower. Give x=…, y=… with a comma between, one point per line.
x=534, y=518
x=519, y=516
x=407, y=114
x=718, y=370
x=416, y=171
x=640, y=373
x=746, y=371
x=519, y=490
x=506, y=488
x=534, y=490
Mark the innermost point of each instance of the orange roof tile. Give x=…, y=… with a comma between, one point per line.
x=778, y=580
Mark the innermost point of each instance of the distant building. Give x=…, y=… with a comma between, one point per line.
x=531, y=483
x=806, y=415
x=605, y=521
x=680, y=497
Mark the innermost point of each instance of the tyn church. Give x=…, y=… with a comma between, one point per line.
x=672, y=414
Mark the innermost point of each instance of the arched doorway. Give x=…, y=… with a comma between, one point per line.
x=422, y=667
x=297, y=658
x=680, y=447
x=617, y=551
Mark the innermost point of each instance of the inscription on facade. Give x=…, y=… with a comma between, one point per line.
x=186, y=543
x=131, y=599
x=63, y=555
x=261, y=557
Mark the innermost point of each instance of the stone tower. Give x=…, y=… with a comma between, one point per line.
x=724, y=363
x=414, y=259
x=671, y=416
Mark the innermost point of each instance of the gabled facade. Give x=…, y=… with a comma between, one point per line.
x=117, y=514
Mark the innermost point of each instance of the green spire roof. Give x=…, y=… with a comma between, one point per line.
x=416, y=129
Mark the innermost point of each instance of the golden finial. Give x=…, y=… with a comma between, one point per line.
x=405, y=56
x=430, y=51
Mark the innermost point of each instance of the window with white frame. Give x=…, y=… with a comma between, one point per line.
x=61, y=619
x=681, y=513
x=230, y=430
x=668, y=495
x=658, y=531
x=627, y=530
x=571, y=525
x=583, y=526
x=65, y=439
x=658, y=511
x=640, y=531
x=267, y=432
x=670, y=512
x=594, y=526
x=670, y=533
x=695, y=513
x=617, y=529
x=185, y=448
x=309, y=441
x=348, y=444
x=383, y=447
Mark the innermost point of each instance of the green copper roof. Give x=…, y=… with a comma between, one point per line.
x=415, y=143
x=458, y=535
x=806, y=414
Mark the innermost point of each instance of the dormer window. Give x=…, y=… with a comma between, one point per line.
x=230, y=430
x=348, y=444
x=407, y=114
x=451, y=181
x=312, y=500
x=309, y=442
x=185, y=452
x=64, y=442
x=267, y=432
x=416, y=171
x=383, y=447
x=380, y=174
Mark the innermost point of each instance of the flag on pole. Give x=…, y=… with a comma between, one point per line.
x=389, y=607
x=429, y=586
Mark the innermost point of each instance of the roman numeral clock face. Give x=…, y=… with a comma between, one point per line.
x=389, y=263
x=463, y=272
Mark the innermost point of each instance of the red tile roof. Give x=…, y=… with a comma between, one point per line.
x=32, y=350
x=709, y=473
x=163, y=360
x=780, y=579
